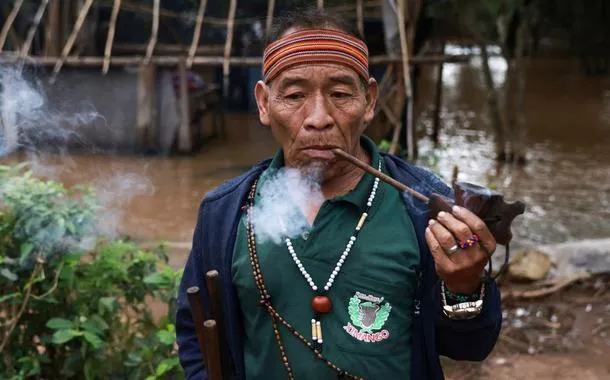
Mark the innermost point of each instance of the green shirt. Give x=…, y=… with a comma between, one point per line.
x=368, y=331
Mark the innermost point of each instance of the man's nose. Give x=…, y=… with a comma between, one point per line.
x=318, y=116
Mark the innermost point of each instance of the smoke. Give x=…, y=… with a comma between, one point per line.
x=114, y=194
x=32, y=121
x=27, y=120
x=284, y=200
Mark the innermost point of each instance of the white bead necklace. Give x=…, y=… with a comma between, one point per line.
x=346, y=251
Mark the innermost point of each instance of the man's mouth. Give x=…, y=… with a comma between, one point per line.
x=320, y=147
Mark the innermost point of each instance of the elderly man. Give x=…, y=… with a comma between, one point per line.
x=361, y=294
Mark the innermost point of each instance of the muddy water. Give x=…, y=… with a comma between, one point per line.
x=566, y=184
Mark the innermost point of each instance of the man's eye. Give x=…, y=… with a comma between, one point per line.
x=294, y=96
x=340, y=95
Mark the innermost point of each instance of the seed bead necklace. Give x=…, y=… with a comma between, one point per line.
x=321, y=303
x=265, y=297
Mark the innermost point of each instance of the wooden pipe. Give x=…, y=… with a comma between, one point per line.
x=207, y=335
x=212, y=278
x=194, y=298
x=214, y=367
x=490, y=206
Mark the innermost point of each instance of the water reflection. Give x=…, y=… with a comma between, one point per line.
x=566, y=184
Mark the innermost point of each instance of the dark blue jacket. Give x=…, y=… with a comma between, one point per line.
x=432, y=334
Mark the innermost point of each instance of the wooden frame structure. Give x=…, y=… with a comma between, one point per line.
x=396, y=81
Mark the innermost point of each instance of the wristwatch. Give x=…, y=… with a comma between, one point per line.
x=467, y=306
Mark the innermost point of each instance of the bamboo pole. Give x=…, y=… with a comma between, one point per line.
x=82, y=15
x=52, y=29
x=184, y=131
x=197, y=34
x=404, y=49
x=25, y=49
x=438, y=99
x=270, y=10
x=146, y=118
x=8, y=24
x=360, y=17
x=229, y=43
x=154, y=32
x=110, y=39
x=172, y=60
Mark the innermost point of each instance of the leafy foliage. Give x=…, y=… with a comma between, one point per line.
x=67, y=312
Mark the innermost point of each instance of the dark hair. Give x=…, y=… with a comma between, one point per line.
x=309, y=17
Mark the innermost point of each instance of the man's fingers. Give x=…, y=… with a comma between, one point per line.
x=477, y=226
x=442, y=235
x=458, y=228
x=437, y=251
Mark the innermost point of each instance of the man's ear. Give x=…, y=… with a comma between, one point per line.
x=371, y=101
x=261, y=93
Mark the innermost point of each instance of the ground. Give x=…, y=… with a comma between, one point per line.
x=565, y=336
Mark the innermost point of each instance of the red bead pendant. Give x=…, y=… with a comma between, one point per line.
x=321, y=304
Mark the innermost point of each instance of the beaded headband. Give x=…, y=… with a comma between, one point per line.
x=315, y=46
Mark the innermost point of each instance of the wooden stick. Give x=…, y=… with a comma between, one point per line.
x=110, y=39
x=194, y=298
x=68, y=46
x=184, y=131
x=228, y=45
x=214, y=367
x=25, y=49
x=360, y=17
x=52, y=29
x=154, y=32
x=558, y=285
x=438, y=98
x=212, y=278
x=173, y=60
x=8, y=24
x=382, y=176
x=270, y=10
x=197, y=34
x=404, y=49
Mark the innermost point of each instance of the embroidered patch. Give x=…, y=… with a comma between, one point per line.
x=367, y=313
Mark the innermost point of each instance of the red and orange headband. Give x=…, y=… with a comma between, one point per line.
x=315, y=46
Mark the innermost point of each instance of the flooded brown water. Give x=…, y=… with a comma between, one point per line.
x=566, y=184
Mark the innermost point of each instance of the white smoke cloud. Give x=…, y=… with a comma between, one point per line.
x=284, y=199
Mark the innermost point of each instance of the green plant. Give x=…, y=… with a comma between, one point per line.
x=69, y=312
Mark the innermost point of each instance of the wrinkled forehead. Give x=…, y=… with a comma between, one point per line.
x=317, y=75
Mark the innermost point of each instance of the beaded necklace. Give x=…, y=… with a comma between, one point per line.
x=321, y=303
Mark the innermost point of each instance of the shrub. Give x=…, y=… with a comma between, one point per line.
x=72, y=311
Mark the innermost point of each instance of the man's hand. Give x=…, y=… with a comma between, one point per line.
x=462, y=271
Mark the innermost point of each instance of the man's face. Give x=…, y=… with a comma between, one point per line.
x=316, y=107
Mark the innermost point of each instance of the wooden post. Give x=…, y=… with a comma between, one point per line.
x=184, y=131
x=438, y=99
x=8, y=24
x=110, y=39
x=360, y=17
x=154, y=32
x=404, y=48
x=228, y=45
x=77, y=26
x=52, y=31
x=25, y=49
x=197, y=34
x=270, y=10
x=146, y=120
